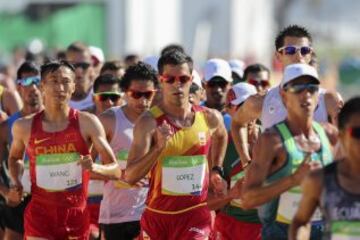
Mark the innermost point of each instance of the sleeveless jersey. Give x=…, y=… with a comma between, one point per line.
x=274, y=111
x=340, y=208
x=84, y=103
x=56, y=177
x=179, y=179
x=282, y=209
x=121, y=202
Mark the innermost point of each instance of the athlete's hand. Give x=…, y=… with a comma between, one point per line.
x=86, y=162
x=302, y=170
x=235, y=191
x=14, y=196
x=218, y=184
x=162, y=135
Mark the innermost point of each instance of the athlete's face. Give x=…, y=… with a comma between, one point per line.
x=58, y=86
x=30, y=93
x=84, y=71
x=350, y=138
x=259, y=79
x=107, y=96
x=286, y=58
x=300, y=96
x=216, y=91
x=175, y=82
x=140, y=95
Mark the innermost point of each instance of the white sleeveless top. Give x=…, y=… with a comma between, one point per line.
x=83, y=104
x=274, y=111
x=120, y=202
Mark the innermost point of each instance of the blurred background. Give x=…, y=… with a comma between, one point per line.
x=227, y=29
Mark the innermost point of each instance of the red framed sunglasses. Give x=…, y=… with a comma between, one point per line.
x=172, y=79
x=259, y=82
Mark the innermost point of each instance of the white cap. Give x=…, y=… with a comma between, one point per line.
x=217, y=68
x=237, y=66
x=196, y=78
x=241, y=92
x=293, y=71
x=152, y=61
x=97, y=53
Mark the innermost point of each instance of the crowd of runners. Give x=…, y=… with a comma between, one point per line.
x=154, y=149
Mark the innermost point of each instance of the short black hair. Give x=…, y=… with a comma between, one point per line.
x=27, y=67
x=350, y=108
x=172, y=47
x=255, y=68
x=174, y=58
x=112, y=66
x=139, y=71
x=291, y=31
x=105, y=79
x=53, y=66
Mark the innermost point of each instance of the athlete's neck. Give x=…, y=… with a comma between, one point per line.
x=130, y=114
x=300, y=125
x=56, y=115
x=179, y=112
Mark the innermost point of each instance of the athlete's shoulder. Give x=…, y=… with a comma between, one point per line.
x=109, y=114
x=146, y=121
x=271, y=137
x=213, y=117
x=23, y=124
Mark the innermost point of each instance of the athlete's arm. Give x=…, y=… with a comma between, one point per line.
x=11, y=102
x=149, y=141
x=219, y=137
x=3, y=142
x=249, y=111
x=108, y=120
x=311, y=191
x=267, y=150
x=92, y=130
x=21, y=133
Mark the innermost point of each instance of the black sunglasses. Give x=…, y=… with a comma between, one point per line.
x=298, y=88
x=138, y=94
x=83, y=65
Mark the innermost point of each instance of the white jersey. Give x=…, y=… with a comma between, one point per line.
x=84, y=103
x=274, y=111
x=121, y=203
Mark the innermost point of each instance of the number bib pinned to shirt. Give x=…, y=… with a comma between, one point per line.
x=288, y=204
x=183, y=175
x=58, y=172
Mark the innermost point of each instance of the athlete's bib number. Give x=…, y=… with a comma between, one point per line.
x=234, y=180
x=345, y=230
x=58, y=172
x=288, y=205
x=183, y=175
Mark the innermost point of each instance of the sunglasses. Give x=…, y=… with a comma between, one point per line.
x=291, y=50
x=171, y=79
x=258, y=82
x=28, y=81
x=104, y=96
x=221, y=84
x=83, y=65
x=299, y=88
x=354, y=132
x=138, y=94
